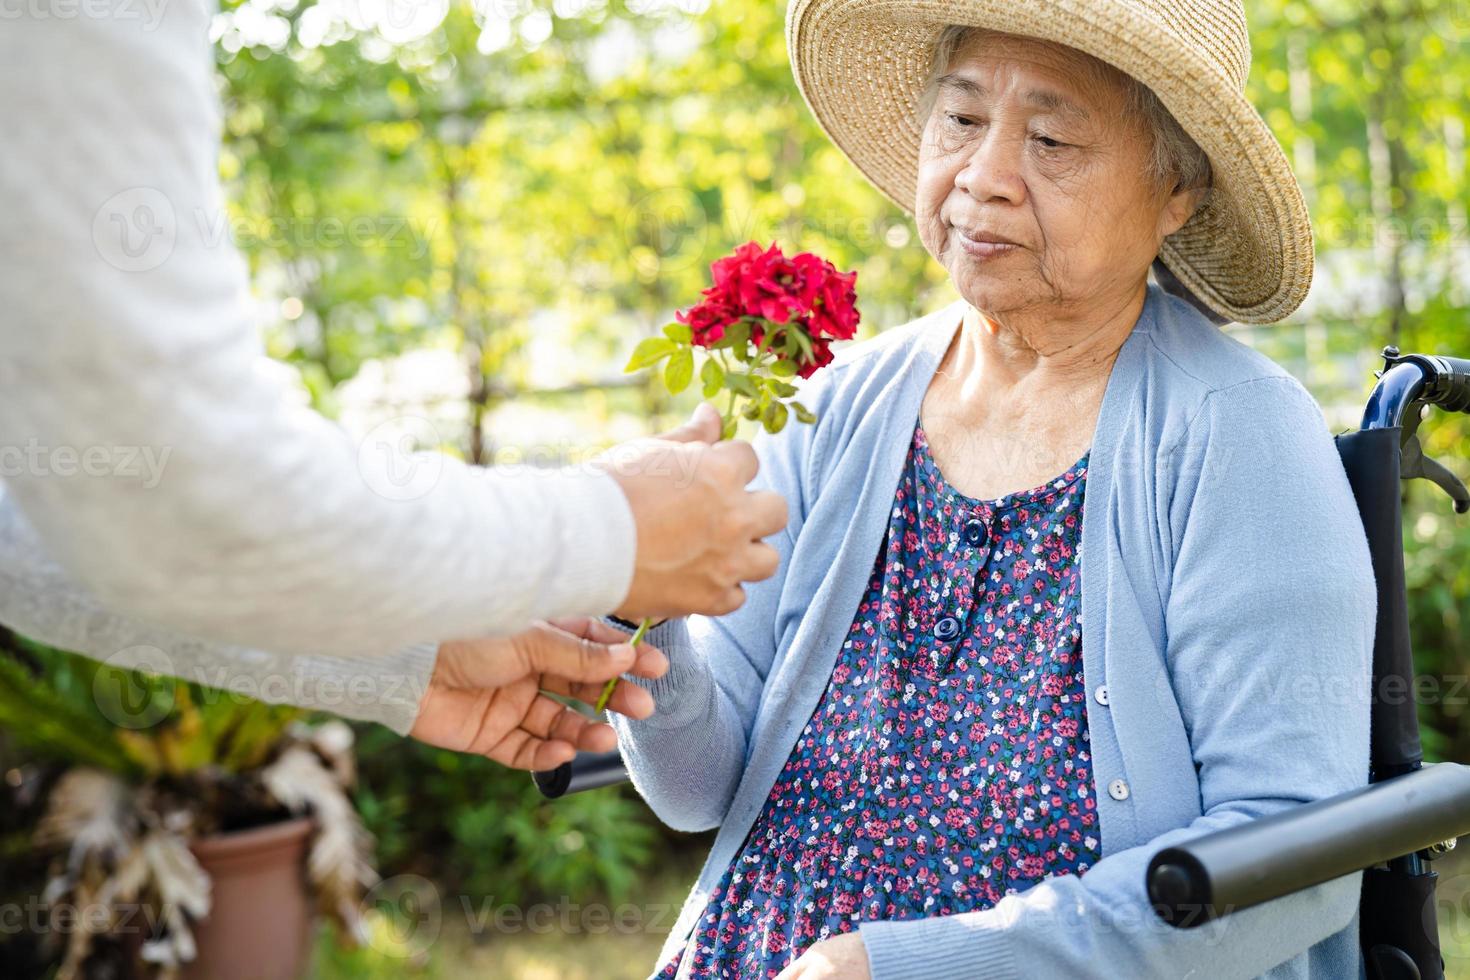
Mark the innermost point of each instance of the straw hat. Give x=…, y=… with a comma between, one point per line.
x=1247, y=252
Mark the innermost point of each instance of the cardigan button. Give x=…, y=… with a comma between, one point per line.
x=947, y=629
x=1101, y=695
x=976, y=533
x=1118, y=790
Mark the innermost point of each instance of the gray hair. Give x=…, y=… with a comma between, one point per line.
x=1175, y=160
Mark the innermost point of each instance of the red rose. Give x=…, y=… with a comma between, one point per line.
x=707, y=321
x=835, y=314
x=804, y=292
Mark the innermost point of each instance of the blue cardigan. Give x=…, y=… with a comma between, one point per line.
x=1227, y=623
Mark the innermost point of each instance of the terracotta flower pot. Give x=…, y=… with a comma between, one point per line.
x=259, y=925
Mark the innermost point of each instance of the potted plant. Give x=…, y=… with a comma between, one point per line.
x=186, y=831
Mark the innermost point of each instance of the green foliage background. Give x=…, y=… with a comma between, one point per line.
x=532, y=187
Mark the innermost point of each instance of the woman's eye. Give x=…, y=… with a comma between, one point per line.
x=960, y=120
x=1049, y=143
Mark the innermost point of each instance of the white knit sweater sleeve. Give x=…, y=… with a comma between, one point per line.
x=167, y=473
x=40, y=601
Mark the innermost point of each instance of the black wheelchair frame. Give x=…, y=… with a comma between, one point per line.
x=1409, y=814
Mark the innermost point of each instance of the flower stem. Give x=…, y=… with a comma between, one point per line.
x=607, y=690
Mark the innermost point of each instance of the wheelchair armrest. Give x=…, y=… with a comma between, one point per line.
x=1229, y=870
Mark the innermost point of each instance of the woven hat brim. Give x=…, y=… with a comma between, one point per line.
x=1246, y=253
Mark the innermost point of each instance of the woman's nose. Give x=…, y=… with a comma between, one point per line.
x=992, y=170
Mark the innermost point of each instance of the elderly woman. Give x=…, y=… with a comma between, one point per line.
x=946, y=738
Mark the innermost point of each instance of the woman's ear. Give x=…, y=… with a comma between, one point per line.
x=1180, y=207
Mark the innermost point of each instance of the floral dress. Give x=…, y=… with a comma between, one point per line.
x=947, y=763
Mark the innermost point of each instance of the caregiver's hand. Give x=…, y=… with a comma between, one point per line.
x=699, y=529
x=842, y=956
x=485, y=696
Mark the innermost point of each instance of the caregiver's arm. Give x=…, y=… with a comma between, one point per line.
x=478, y=696
x=39, y=600
x=171, y=476
x=1272, y=587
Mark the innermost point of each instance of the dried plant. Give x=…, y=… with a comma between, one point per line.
x=126, y=803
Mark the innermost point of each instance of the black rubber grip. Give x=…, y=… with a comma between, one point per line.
x=1458, y=397
x=588, y=770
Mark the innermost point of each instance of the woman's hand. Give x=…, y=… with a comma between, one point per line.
x=842, y=956
x=485, y=696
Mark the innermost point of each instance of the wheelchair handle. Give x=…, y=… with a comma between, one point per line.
x=1408, y=383
x=588, y=770
x=1456, y=383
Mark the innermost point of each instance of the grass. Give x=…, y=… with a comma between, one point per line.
x=482, y=937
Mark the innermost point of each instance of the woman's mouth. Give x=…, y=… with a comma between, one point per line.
x=984, y=245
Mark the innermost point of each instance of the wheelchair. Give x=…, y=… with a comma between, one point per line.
x=1409, y=813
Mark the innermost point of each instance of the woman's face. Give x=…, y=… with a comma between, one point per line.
x=1027, y=143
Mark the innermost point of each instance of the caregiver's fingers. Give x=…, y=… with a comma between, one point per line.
x=649, y=661
x=762, y=559
x=548, y=718
x=768, y=514
x=570, y=733
x=581, y=656
x=520, y=749
x=471, y=721
x=627, y=699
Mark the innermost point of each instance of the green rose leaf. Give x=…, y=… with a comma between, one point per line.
x=713, y=377
x=730, y=426
x=781, y=388
x=751, y=411
x=650, y=352
x=803, y=413
x=784, y=369
x=741, y=384
x=774, y=417
x=679, y=371
x=737, y=337
x=679, y=333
